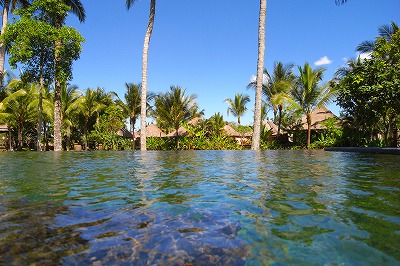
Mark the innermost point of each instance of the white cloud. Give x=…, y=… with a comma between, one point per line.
x=364, y=56
x=253, y=78
x=323, y=61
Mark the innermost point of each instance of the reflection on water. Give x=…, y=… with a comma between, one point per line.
x=199, y=208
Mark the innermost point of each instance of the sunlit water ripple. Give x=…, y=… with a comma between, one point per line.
x=199, y=208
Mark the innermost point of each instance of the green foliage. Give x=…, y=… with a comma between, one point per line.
x=242, y=129
x=215, y=124
x=214, y=142
x=160, y=144
x=174, y=107
x=105, y=132
x=237, y=106
x=369, y=93
x=69, y=51
x=31, y=41
x=19, y=108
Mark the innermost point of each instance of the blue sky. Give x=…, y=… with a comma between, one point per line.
x=209, y=47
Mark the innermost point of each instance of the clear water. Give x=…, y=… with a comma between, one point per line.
x=199, y=208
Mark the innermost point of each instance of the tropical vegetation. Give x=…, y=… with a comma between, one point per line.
x=237, y=106
x=369, y=92
x=42, y=111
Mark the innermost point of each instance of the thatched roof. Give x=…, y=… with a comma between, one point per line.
x=195, y=121
x=123, y=132
x=228, y=129
x=181, y=132
x=152, y=130
x=319, y=115
x=269, y=125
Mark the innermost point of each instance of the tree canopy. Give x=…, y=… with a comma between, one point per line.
x=369, y=93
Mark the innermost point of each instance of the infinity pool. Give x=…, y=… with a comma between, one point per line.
x=199, y=208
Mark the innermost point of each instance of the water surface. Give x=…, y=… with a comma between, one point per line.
x=199, y=208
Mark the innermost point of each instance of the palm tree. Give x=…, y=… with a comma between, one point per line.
x=237, y=106
x=278, y=89
x=255, y=145
x=216, y=123
x=143, y=103
x=77, y=9
x=70, y=109
x=174, y=108
x=45, y=107
x=19, y=106
x=131, y=106
x=48, y=112
x=89, y=106
x=384, y=31
x=6, y=4
x=309, y=94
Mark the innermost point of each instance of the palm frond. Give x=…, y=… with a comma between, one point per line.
x=340, y=2
x=366, y=47
x=129, y=3
x=77, y=9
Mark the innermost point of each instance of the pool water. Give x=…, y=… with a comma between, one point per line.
x=199, y=208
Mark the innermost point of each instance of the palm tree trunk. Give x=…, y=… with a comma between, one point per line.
x=40, y=119
x=177, y=137
x=46, y=140
x=57, y=116
x=57, y=91
x=308, y=129
x=2, y=47
x=143, y=100
x=280, y=119
x=57, y=100
x=132, y=122
x=255, y=145
x=68, y=143
x=85, y=133
x=20, y=136
x=275, y=113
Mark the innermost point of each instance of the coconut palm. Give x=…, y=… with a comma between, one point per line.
x=131, y=106
x=216, y=123
x=309, y=94
x=70, y=109
x=384, y=31
x=143, y=103
x=342, y=71
x=89, y=106
x=19, y=106
x=8, y=5
x=174, y=107
x=77, y=9
x=237, y=106
x=255, y=145
x=47, y=113
x=278, y=89
x=45, y=108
